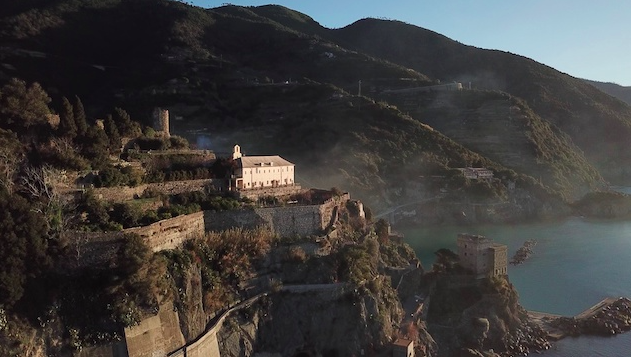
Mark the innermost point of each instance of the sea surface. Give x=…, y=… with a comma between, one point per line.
x=576, y=263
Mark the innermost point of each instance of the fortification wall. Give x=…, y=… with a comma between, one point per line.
x=286, y=220
x=93, y=249
x=292, y=220
x=170, y=233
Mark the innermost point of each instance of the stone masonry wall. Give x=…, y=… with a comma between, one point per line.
x=120, y=194
x=170, y=233
x=286, y=221
x=156, y=335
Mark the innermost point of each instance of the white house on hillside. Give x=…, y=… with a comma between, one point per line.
x=261, y=171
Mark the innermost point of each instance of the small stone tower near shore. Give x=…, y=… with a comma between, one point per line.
x=482, y=256
x=161, y=122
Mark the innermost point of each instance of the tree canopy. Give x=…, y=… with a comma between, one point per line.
x=23, y=246
x=22, y=106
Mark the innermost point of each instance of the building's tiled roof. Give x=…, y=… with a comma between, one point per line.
x=402, y=342
x=262, y=161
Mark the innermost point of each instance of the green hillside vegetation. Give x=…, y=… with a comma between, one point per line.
x=504, y=129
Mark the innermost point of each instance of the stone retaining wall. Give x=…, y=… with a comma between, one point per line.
x=124, y=193
x=156, y=335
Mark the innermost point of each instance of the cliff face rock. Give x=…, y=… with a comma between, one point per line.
x=469, y=316
x=321, y=321
x=191, y=310
x=239, y=334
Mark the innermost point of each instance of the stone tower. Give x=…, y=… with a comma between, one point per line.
x=161, y=122
x=481, y=255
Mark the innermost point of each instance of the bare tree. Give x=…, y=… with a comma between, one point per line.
x=38, y=183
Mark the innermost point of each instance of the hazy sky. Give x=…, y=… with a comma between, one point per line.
x=584, y=38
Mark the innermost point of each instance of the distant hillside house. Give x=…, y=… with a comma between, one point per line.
x=482, y=256
x=403, y=348
x=258, y=172
x=477, y=173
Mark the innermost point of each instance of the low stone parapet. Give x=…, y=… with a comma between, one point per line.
x=255, y=193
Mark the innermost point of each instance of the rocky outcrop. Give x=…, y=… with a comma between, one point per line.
x=193, y=318
x=472, y=316
x=315, y=322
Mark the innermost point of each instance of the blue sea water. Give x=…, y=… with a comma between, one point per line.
x=576, y=263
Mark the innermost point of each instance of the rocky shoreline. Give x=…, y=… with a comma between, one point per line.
x=528, y=339
x=613, y=319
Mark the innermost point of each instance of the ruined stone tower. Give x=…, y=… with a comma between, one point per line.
x=161, y=122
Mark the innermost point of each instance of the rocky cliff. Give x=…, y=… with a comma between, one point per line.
x=472, y=317
x=322, y=321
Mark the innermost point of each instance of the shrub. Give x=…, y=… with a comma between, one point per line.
x=178, y=142
x=297, y=254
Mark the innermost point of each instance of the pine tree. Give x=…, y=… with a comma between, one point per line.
x=79, y=117
x=67, y=126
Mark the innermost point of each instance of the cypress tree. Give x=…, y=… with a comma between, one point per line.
x=95, y=146
x=112, y=134
x=126, y=127
x=67, y=126
x=79, y=117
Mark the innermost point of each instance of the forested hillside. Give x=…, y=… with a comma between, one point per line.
x=222, y=69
